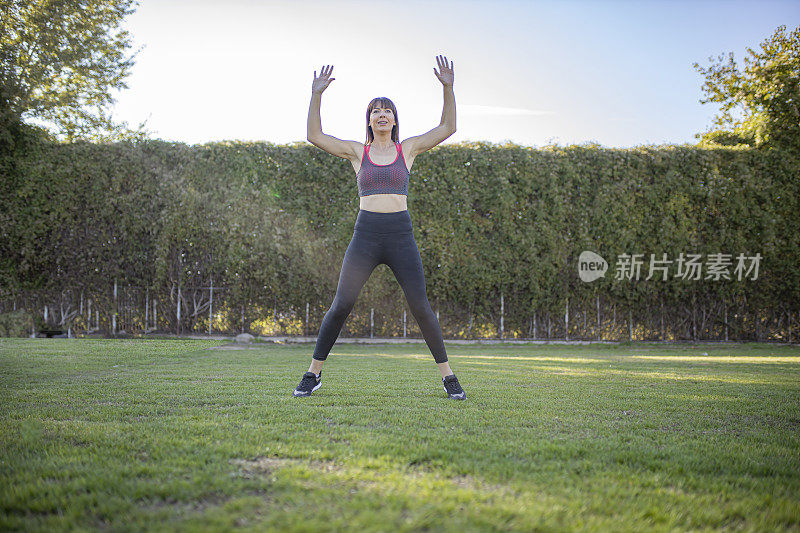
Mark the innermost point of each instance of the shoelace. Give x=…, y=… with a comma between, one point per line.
x=452, y=386
x=308, y=382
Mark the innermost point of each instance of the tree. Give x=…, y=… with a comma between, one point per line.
x=767, y=93
x=59, y=62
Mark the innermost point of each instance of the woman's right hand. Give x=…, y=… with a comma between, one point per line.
x=321, y=83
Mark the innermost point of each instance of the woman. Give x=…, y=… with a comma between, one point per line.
x=383, y=231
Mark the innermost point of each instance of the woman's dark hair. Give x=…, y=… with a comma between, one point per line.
x=382, y=101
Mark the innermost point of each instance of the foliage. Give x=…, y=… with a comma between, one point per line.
x=766, y=93
x=16, y=323
x=271, y=223
x=60, y=60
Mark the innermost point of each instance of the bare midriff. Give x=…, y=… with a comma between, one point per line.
x=384, y=203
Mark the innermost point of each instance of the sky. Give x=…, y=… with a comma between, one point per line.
x=535, y=73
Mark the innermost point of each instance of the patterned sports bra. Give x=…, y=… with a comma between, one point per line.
x=383, y=179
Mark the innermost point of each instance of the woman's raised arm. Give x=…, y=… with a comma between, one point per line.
x=332, y=145
x=447, y=126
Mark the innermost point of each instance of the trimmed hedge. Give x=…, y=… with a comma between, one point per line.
x=272, y=222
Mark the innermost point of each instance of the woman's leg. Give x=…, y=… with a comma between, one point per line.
x=404, y=259
x=360, y=260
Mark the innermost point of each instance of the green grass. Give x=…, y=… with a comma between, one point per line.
x=167, y=435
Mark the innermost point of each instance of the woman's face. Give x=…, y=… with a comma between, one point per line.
x=381, y=119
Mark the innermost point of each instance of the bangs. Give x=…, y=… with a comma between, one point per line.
x=382, y=103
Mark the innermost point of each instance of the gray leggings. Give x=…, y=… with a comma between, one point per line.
x=381, y=238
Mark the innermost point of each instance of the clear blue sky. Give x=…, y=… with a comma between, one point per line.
x=567, y=72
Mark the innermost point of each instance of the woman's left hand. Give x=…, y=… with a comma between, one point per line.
x=445, y=73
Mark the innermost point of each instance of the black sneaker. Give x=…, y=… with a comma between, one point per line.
x=453, y=388
x=308, y=384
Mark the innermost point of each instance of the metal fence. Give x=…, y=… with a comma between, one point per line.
x=130, y=310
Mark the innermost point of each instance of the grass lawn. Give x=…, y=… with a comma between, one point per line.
x=173, y=435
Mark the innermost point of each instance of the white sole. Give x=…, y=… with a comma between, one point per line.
x=309, y=394
x=461, y=396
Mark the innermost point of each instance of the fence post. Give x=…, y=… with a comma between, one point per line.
x=534, y=325
x=114, y=316
x=630, y=325
x=566, y=320
x=371, y=323
x=61, y=306
x=614, y=317
x=501, y=315
x=758, y=328
x=597, y=298
x=210, y=305
x=155, y=316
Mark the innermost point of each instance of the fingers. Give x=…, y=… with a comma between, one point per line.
x=325, y=72
x=443, y=64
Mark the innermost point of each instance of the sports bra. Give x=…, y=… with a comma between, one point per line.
x=383, y=179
